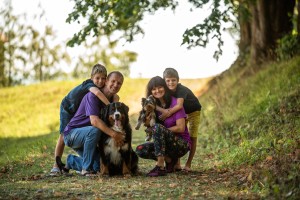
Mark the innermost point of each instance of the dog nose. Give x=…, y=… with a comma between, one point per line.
x=117, y=116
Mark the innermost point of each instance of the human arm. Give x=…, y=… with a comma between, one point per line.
x=165, y=113
x=179, y=127
x=177, y=107
x=96, y=91
x=98, y=123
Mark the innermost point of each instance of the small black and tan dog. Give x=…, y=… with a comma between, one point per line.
x=147, y=114
x=115, y=160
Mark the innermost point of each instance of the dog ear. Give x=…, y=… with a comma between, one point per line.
x=105, y=112
x=152, y=97
x=143, y=101
x=126, y=108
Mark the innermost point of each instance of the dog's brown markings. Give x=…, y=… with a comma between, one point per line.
x=147, y=114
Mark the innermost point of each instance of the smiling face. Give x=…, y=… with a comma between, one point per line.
x=99, y=79
x=158, y=92
x=172, y=83
x=114, y=83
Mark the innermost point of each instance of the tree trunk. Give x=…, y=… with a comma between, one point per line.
x=271, y=19
x=2, y=76
x=245, y=30
x=41, y=69
x=298, y=20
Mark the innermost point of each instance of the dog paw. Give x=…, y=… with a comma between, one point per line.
x=127, y=175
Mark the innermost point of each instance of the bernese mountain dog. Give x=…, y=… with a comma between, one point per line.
x=117, y=160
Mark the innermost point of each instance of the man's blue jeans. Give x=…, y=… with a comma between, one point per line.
x=84, y=141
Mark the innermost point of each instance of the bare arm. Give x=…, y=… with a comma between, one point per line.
x=96, y=91
x=177, y=107
x=98, y=123
x=179, y=127
x=165, y=113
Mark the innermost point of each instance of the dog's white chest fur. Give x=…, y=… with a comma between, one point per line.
x=114, y=151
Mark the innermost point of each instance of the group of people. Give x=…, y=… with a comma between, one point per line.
x=81, y=128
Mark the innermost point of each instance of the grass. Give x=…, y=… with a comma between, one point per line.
x=248, y=144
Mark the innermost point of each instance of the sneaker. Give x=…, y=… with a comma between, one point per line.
x=55, y=171
x=156, y=171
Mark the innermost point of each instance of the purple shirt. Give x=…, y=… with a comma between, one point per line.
x=90, y=105
x=171, y=121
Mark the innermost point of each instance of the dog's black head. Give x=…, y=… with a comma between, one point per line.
x=116, y=115
x=149, y=103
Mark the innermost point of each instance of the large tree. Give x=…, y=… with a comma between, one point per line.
x=260, y=22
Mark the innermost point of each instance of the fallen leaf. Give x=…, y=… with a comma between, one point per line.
x=269, y=158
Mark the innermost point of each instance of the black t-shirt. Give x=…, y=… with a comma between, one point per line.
x=191, y=102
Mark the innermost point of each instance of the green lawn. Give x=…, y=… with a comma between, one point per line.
x=248, y=144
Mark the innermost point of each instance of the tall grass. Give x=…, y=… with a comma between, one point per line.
x=254, y=120
x=250, y=122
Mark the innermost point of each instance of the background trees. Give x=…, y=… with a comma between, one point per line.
x=261, y=24
x=33, y=54
x=103, y=49
x=27, y=54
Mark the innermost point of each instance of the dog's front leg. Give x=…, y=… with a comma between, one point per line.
x=125, y=169
x=104, y=169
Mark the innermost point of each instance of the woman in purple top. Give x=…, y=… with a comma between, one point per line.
x=171, y=139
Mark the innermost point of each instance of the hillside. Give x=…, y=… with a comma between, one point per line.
x=249, y=140
x=251, y=123
x=34, y=110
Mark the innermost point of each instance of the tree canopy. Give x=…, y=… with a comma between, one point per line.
x=259, y=23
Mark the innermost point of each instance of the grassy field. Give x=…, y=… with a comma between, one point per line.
x=248, y=145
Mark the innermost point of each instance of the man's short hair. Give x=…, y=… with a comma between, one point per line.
x=115, y=72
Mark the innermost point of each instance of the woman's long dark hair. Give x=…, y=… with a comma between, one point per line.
x=157, y=81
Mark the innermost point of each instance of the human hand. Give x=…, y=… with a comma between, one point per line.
x=165, y=114
x=119, y=138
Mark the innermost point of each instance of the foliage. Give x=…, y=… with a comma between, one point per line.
x=27, y=54
x=262, y=130
x=105, y=53
x=248, y=147
x=259, y=23
x=107, y=17
x=288, y=47
x=12, y=32
x=122, y=18
x=200, y=34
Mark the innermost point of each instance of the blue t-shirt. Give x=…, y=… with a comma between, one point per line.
x=72, y=101
x=90, y=105
x=171, y=121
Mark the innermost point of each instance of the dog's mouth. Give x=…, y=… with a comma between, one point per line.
x=118, y=123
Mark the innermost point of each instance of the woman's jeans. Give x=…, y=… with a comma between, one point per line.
x=84, y=141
